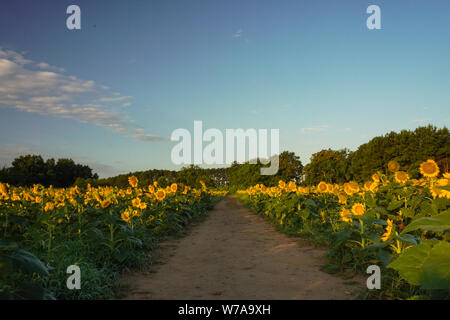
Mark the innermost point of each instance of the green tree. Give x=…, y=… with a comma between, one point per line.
x=328, y=165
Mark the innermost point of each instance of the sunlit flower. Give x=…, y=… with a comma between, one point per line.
x=358, y=209
x=133, y=181
x=136, y=202
x=105, y=204
x=160, y=194
x=143, y=205
x=401, y=177
x=125, y=216
x=393, y=166
x=49, y=206
x=346, y=216
x=429, y=168
x=388, y=232
x=322, y=186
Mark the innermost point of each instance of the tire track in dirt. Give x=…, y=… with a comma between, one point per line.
x=235, y=254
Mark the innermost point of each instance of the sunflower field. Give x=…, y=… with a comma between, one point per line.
x=400, y=224
x=104, y=231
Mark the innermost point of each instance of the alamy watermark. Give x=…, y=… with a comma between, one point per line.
x=220, y=152
x=374, y=280
x=74, y=280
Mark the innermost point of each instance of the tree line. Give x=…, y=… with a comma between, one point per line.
x=32, y=169
x=408, y=148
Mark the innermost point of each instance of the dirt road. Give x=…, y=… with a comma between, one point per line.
x=235, y=254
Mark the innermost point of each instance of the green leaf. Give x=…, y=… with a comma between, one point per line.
x=437, y=223
x=408, y=238
x=135, y=240
x=409, y=212
x=409, y=263
x=436, y=269
x=27, y=262
x=395, y=204
x=426, y=265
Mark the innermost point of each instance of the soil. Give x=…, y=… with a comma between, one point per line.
x=235, y=254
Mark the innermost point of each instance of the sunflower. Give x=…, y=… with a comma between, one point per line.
x=49, y=206
x=347, y=189
x=351, y=188
x=322, y=186
x=367, y=185
x=342, y=198
x=160, y=194
x=393, y=166
x=105, y=204
x=151, y=189
x=125, y=216
x=345, y=215
x=292, y=187
x=388, y=232
x=281, y=184
x=401, y=177
x=142, y=205
x=429, y=168
x=322, y=215
x=3, y=188
x=376, y=178
x=358, y=209
x=136, y=202
x=173, y=187
x=329, y=187
x=133, y=181
x=447, y=175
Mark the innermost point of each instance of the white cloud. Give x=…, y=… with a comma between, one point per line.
x=320, y=128
x=115, y=99
x=150, y=137
x=239, y=33
x=126, y=104
x=45, y=65
x=53, y=93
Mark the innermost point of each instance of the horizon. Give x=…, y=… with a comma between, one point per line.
x=110, y=94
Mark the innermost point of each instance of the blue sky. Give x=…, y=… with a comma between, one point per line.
x=109, y=94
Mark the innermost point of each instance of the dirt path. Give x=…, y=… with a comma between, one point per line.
x=235, y=254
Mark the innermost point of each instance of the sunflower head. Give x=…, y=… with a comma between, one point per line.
x=173, y=187
x=429, y=168
x=346, y=216
x=342, y=196
x=136, y=202
x=358, y=209
x=125, y=216
x=133, y=181
x=142, y=205
x=105, y=204
x=388, y=232
x=160, y=194
x=376, y=178
x=393, y=166
x=322, y=186
x=401, y=177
